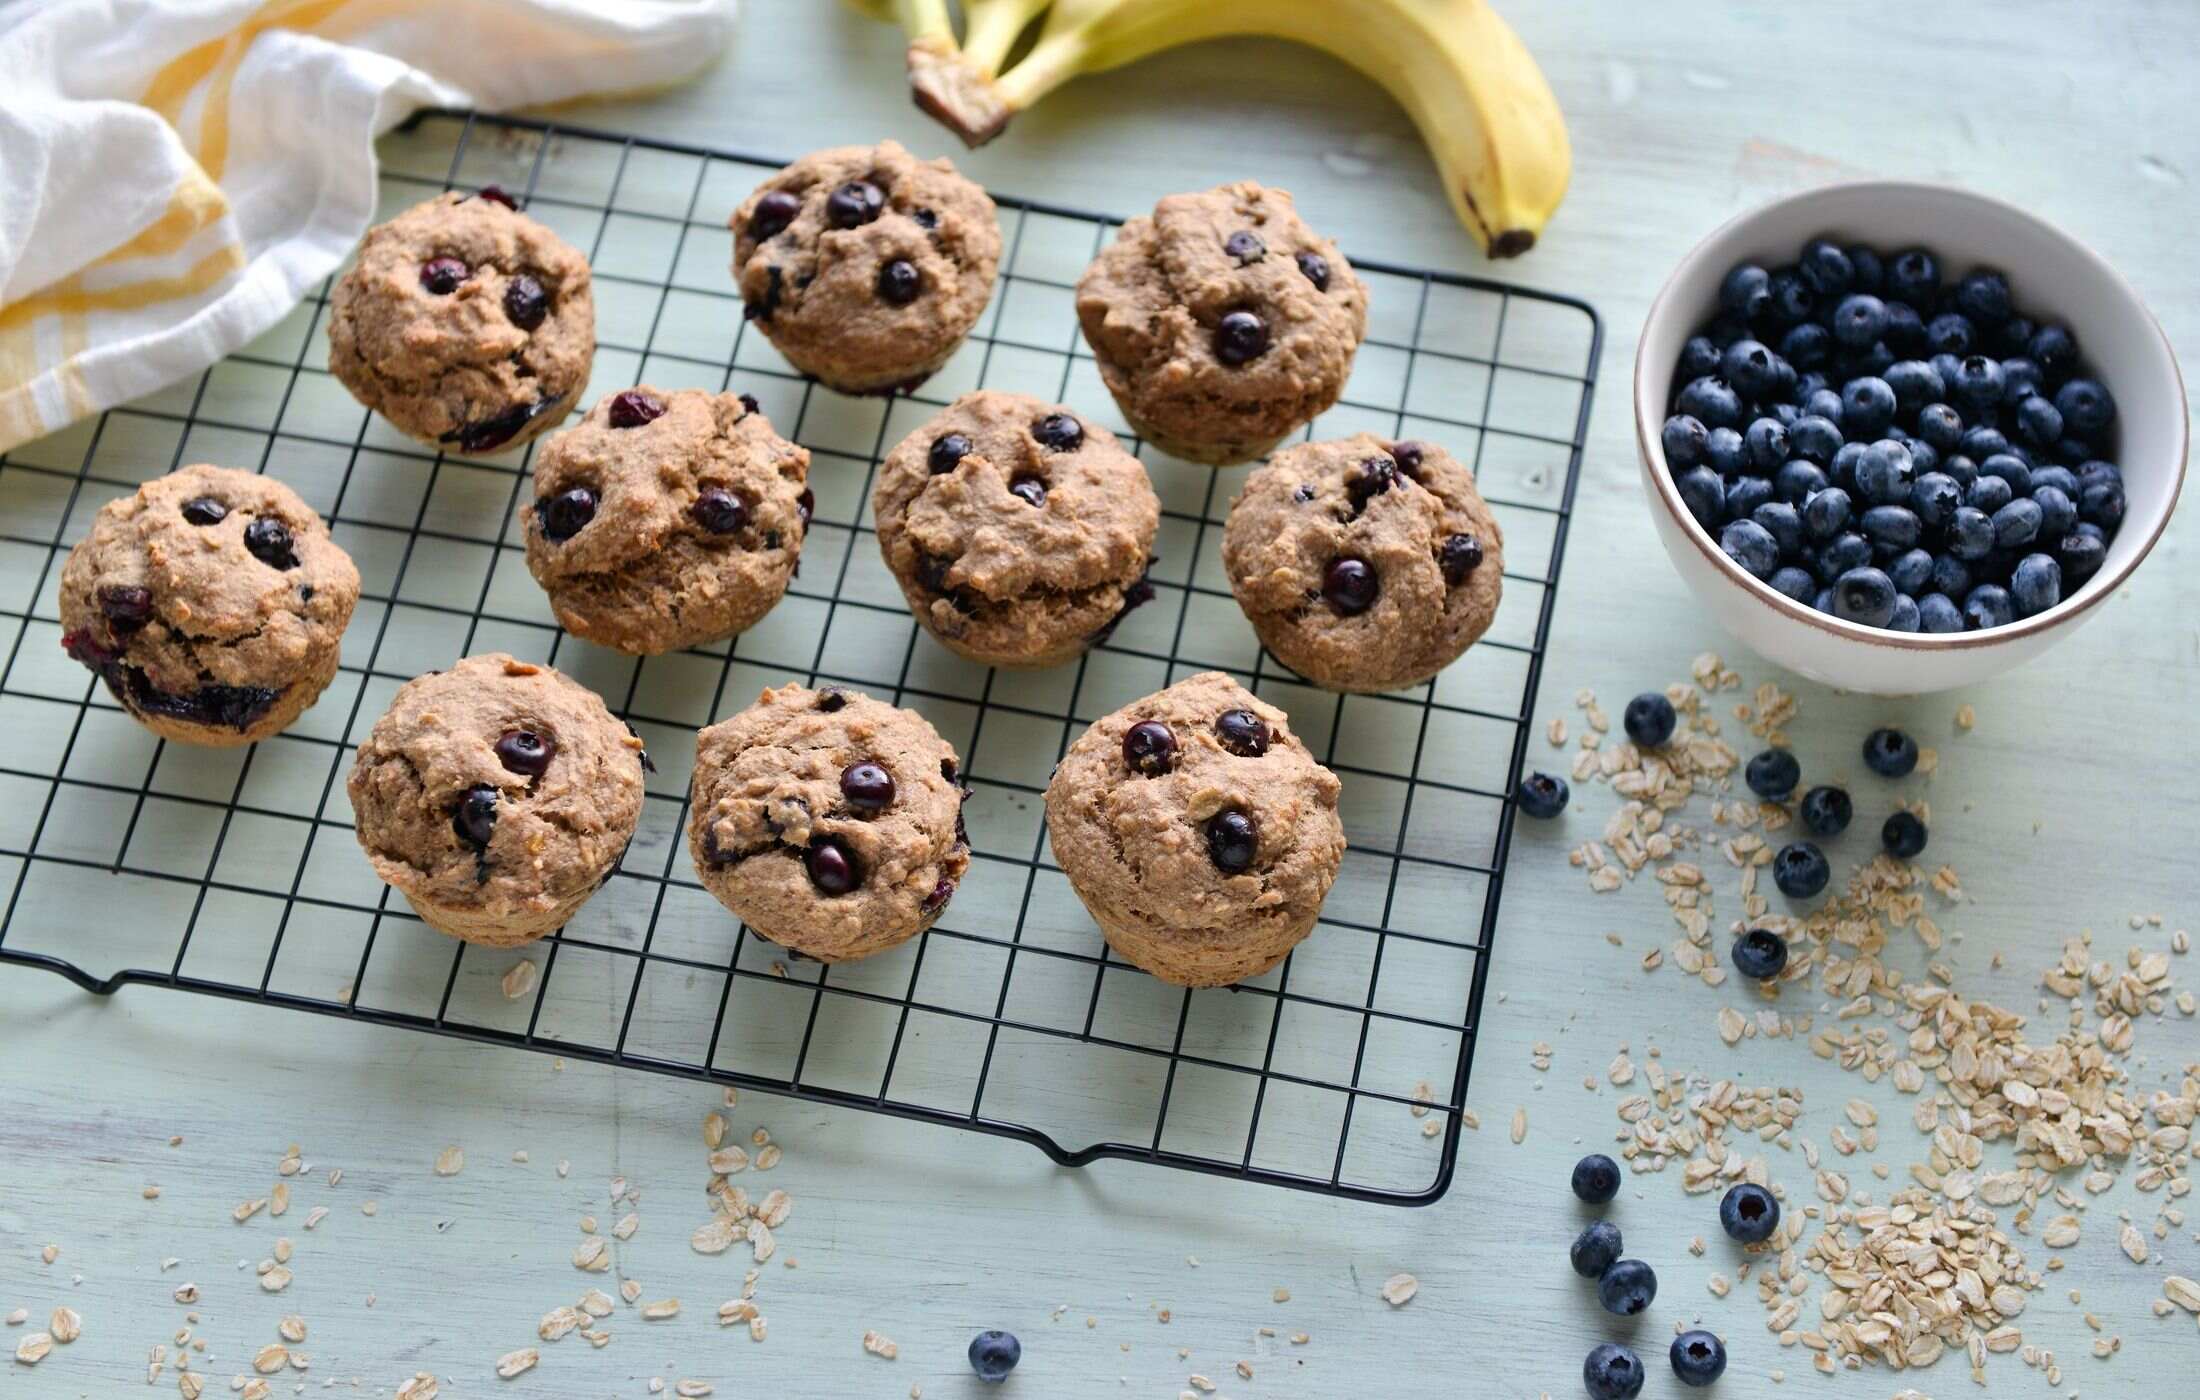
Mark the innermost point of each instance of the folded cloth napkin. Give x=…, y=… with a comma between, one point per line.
x=175, y=174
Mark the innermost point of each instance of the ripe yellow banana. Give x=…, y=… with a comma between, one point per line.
x=1483, y=107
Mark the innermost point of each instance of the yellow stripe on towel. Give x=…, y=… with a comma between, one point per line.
x=69, y=298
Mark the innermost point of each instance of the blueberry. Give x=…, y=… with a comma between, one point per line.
x=2039, y=422
x=1984, y=297
x=443, y=276
x=1773, y=774
x=2101, y=502
x=1824, y=601
x=1825, y=267
x=1233, y=840
x=1905, y=333
x=1935, y=496
x=1712, y=400
x=631, y=408
x=773, y=213
x=204, y=510
x=1704, y=494
x=1612, y=1372
x=1890, y=753
x=474, y=817
x=127, y=607
x=525, y=752
x=1649, y=719
x=2035, y=585
x=1241, y=336
x=1950, y=333
x=1699, y=357
x=1864, y=596
x=2013, y=335
x=1245, y=247
x=1596, y=1176
x=2018, y=523
x=1698, y=1358
x=1627, y=1288
x=2058, y=513
x=1867, y=407
x=1797, y=481
x=1149, y=748
x=854, y=204
x=2020, y=380
x=567, y=513
x=1816, y=438
x=1750, y=545
x=2086, y=406
x=2080, y=553
x=1960, y=467
x=1749, y=1213
x=1242, y=732
x=1725, y=452
x=1349, y=586
x=899, y=282
x=1940, y=425
x=1744, y=494
x=1937, y=613
x=1903, y=835
x=1767, y=442
x=1841, y=554
x=1800, y=870
x=1059, y=432
x=1915, y=383
x=1314, y=268
x=1891, y=529
x=1826, y=811
x=1912, y=570
x=1792, y=299
x=1029, y=489
x=946, y=452
x=525, y=302
x=1870, y=273
x=1981, y=441
x=2060, y=477
x=1750, y=368
x=1807, y=346
x=867, y=786
x=1795, y=583
x=1885, y=472
x=994, y=1354
x=268, y=540
x=1824, y=402
x=1950, y=576
x=1784, y=523
x=719, y=511
x=1683, y=437
x=1904, y=618
x=1826, y=513
x=1989, y=493
x=831, y=866
x=1913, y=276
x=1859, y=320
x=1595, y=1249
x=1760, y=954
x=1746, y=291
x=2054, y=349
x=1988, y=606
x=1543, y=796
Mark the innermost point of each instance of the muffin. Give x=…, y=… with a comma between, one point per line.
x=1364, y=564
x=465, y=323
x=865, y=266
x=212, y=602
x=1198, y=830
x=1019, y=533
x=496, y=797
x=1222, y=323
x=665, y=519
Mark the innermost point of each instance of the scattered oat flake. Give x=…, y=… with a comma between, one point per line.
x=596, y=1303
x=450, y=1161
x=691, y=1389
x=519, y=979
x=422, y=1386
x=627, y=1225
x=716, y=1237
x=513, y=1363
x=1398, y=1289
x=275, y=1279
x=33, y=1348
x=592, y=1254
x=879, y=1344
x=292, y=1328
x=769, y=1157
x=315, y=1216
x=271, y=1358
x=65, y=1324
x=2134, y=1244
x=660, y=1310
x=18, y=1317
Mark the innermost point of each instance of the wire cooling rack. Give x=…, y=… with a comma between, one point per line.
x=234, y=873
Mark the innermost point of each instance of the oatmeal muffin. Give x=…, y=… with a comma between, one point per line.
x=212, y=603
x=865, y=266
x=1222, y=322
x=1199, y=832
x=831, y=823
x=666, y=518
x=1019, y=533
x=496, y=797
x=1364, y=564
x=465, y=323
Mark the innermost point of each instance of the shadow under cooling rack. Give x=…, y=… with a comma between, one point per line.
x=234, y=873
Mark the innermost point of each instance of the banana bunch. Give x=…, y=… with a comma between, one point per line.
x=1483, y=107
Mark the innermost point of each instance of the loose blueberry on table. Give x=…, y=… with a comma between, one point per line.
x=1650, y=719
x=1627, y=1288
x=1595, y=1249
x=994, y=1354
x=1612, y=1372
x=1760, y=954
x=1749, y=1213
x=1543, y=796
x=1596, y=1178
x=1826, y=811
x=1924, y=437
x=1903, y=835
x=1890, y=753
x=1800, y=870
x=1698, y=1358
x=1773, y=775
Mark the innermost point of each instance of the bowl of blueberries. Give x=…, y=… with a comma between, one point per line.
x=1902, y=437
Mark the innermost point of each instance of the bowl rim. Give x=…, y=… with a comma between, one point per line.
x=1649, y=420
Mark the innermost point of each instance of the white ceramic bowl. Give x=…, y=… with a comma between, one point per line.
x=2055, y=277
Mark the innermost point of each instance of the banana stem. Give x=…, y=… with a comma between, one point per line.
x=1052, y=62
x=927, y=24
x=990, y=31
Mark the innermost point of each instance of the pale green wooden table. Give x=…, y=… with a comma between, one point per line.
x=2069, y=807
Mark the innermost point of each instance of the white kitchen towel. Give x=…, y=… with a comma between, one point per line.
x=176, y=174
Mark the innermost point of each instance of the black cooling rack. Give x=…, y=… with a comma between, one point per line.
x=235, y=874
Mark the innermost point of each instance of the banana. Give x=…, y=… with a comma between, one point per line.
x=1483, y=107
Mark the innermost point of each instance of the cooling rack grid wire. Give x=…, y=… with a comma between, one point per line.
x=233, y=873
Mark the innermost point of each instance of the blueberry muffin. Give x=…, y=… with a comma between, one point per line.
x=865, y=266
x=666, y=518
x=496, y=797
x=212, y=603
x=1364, y=564
x=1019, y=533
x=1222, y=322
x=465, y=323
x=1198, y=831
x=831, y=823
